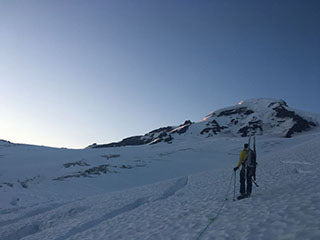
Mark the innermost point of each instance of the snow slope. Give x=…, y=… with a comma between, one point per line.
x=32, y=173
x=162, y=191
x=285, y=206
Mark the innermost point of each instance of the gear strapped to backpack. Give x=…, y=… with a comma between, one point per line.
x=250, y=161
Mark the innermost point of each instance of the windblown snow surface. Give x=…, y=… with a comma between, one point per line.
x=180, y=186
x=172, y=194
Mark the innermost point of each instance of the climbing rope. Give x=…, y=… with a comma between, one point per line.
x=220, y=209
x=234, y=187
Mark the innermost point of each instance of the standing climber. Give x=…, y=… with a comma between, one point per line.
x=248, y=161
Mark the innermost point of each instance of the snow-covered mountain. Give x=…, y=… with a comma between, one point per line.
x=146, y=188
x=263, y=116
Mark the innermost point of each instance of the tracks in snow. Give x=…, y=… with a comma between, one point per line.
x=179, y=184
x=31, y=214
x=139, y=202
x=33, y=222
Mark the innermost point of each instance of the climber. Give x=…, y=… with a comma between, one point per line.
x=248, y=162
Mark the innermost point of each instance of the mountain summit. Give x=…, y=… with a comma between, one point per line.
x=265, y=116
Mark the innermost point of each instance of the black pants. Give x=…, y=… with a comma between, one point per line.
x=245, y=174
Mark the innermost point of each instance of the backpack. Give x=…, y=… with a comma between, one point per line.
x=251, y=159
x=250, y=163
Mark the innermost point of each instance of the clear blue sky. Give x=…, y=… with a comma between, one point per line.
x=77, y=72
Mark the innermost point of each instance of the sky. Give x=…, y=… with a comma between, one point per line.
x=75, y=72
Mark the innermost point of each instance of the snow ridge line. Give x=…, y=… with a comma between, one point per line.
x=179, y=184
x=24, y=231
x=31, y=214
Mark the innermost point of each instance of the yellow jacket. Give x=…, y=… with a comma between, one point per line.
x=243, y=156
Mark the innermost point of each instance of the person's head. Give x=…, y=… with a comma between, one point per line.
x=246, y=145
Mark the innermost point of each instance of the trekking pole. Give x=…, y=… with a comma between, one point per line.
x=234, y=186
x=255, y=183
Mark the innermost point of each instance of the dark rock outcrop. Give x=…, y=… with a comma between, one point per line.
x=101, y=169
x=130, y=141
x=182, y=128
x=168, y=139
x=25, y=183
x=300, y=124
x=155, y=136
x=7, y=184
x=251, y=127
x=215, y=128
x=241, y=110
x=162, y=130
x=78, y=163
x=281, y=103
x=108, y=156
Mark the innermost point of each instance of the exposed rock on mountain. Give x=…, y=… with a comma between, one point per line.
x=214, y=128
x=300, y=124
x=262, y=116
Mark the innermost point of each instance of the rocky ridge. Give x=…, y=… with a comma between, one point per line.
x=262, y=116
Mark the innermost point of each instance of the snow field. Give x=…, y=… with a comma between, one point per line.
x=285, y=206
